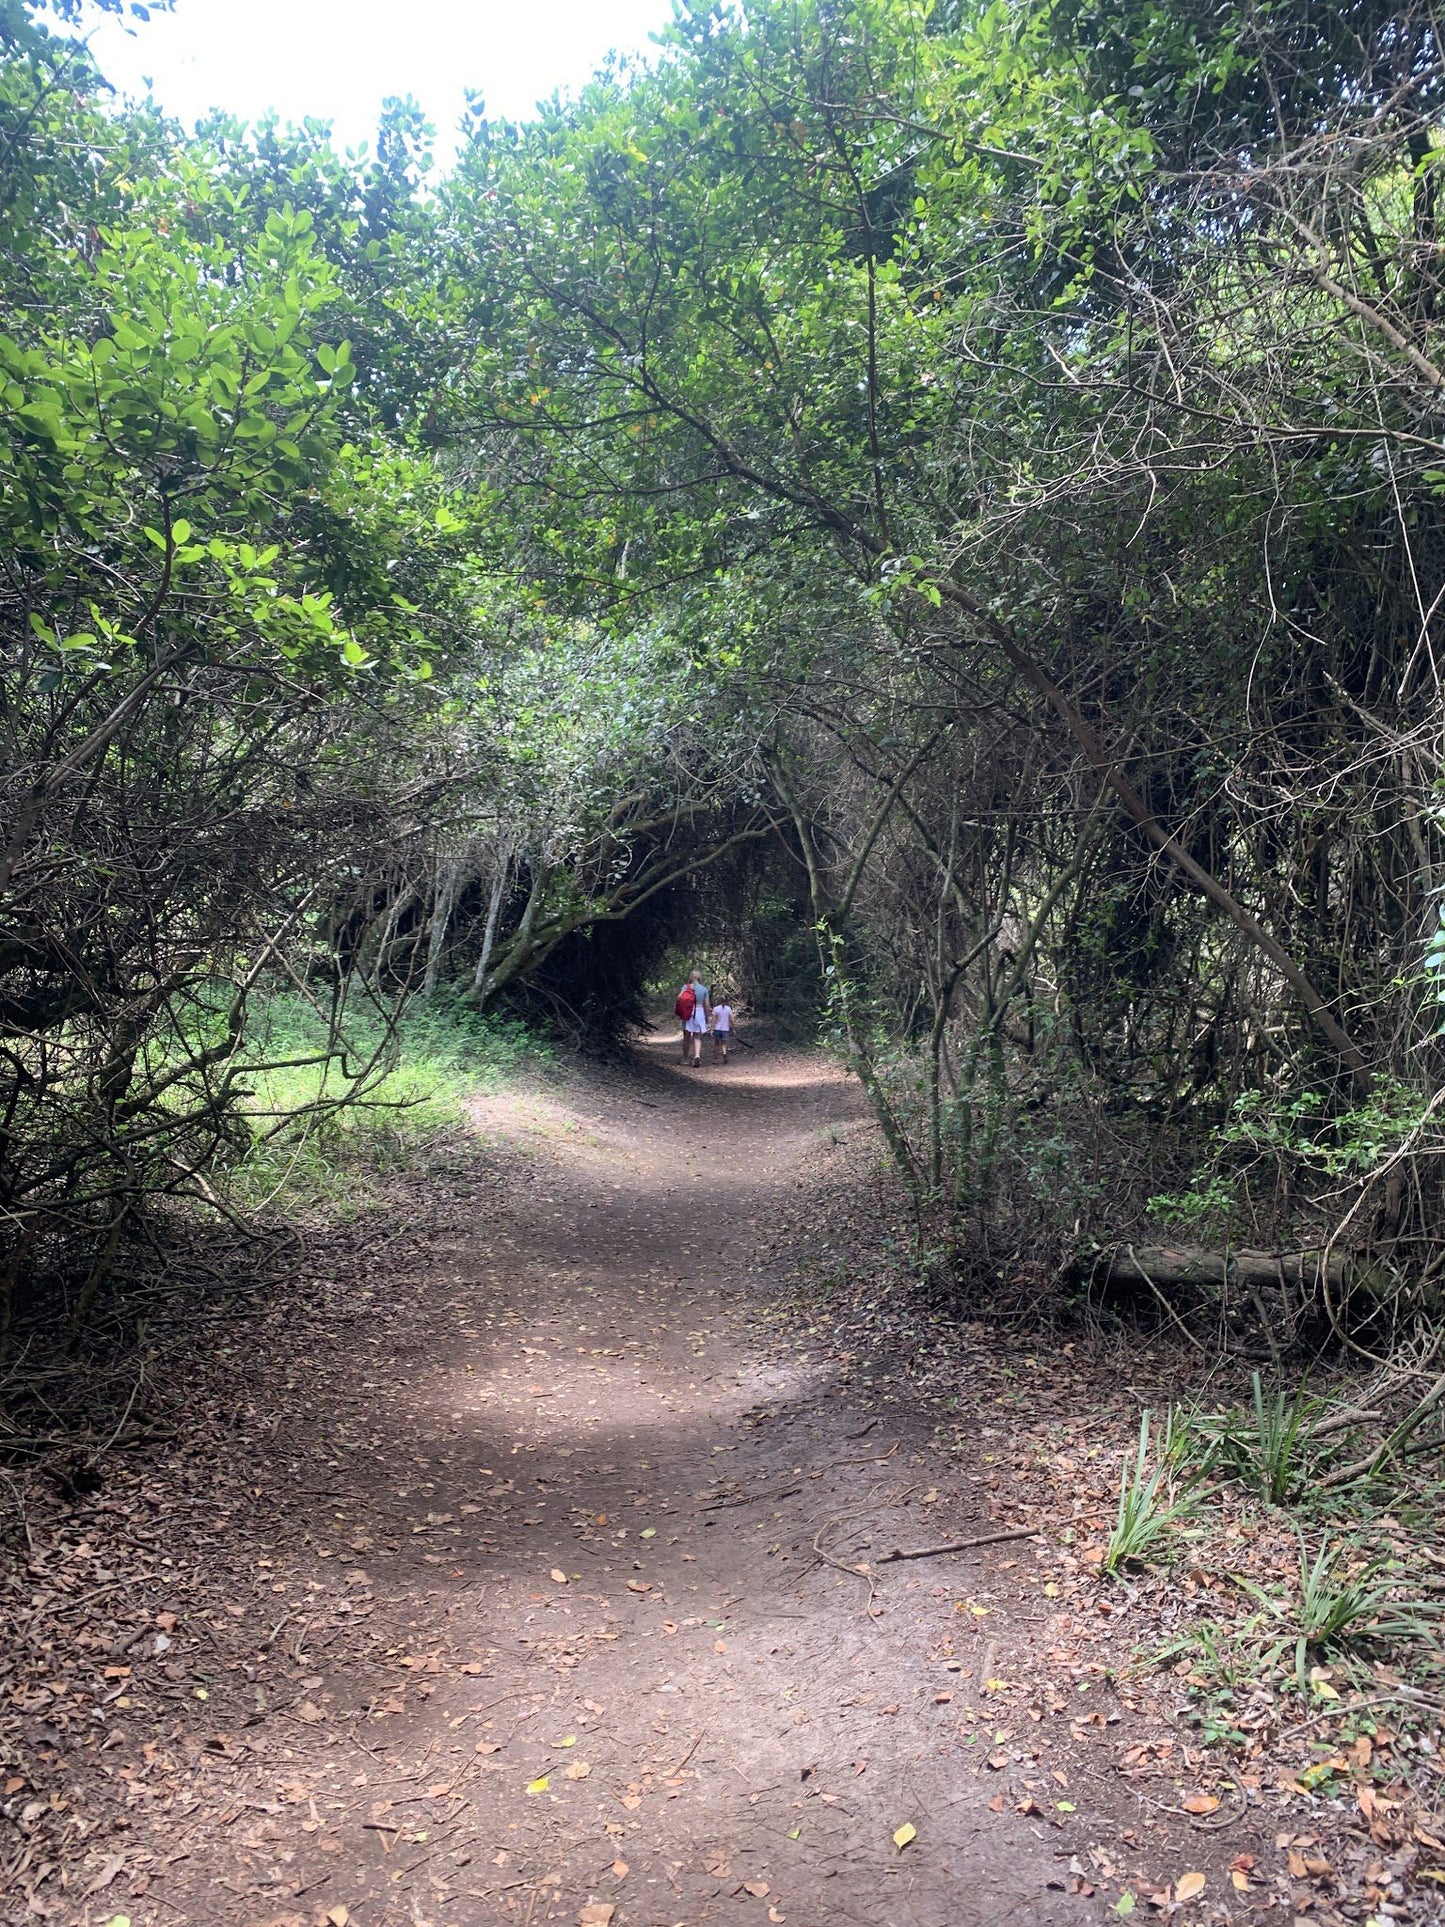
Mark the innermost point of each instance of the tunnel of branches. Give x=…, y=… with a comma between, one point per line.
x=995, y=629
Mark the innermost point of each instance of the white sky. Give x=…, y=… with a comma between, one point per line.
x=337, y=60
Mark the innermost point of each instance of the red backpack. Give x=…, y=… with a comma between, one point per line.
x=686, y=1003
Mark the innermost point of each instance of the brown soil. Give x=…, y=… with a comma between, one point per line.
x=519, y=1583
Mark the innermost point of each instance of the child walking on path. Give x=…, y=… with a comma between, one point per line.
x=722, y=1028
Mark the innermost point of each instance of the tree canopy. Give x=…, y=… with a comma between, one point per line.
x=968, y=471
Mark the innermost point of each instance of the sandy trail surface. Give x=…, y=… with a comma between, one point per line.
x=543, y=1606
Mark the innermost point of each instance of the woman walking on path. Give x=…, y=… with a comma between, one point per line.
x=684, y=1007
x=695, y=1023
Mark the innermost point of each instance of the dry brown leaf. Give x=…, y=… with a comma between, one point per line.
x=620, y=1870
x=597, y=1913
x=757, y=1888
x=1201, y=1803
x=1189, y=1886
x=558, y=1576
x=114, y=1864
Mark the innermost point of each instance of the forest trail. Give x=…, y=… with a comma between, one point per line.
x=552, y=1635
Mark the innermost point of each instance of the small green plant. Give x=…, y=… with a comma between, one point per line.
x=1339, y=1608
x=1146, y=1511
x=1305, y=1130
x=1219, y=1655
x=1267, y=1444
x=1345, y=1600
x=1183, y=1445
x=1207, y=1199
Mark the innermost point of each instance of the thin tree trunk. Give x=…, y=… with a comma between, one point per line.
x=480, y=987
x=441, y=923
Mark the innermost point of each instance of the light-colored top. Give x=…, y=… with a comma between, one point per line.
x=722, y=1017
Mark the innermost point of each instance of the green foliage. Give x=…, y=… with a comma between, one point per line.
x=1305, y=1129
x=1344, y=1600
x=1149, y=1506
x=338, y=1098
x=1269, y=1444
x=228, y=590
x=1208, y=1201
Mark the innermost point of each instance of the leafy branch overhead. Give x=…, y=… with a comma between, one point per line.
x=959, y=483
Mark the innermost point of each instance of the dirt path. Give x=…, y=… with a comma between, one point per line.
x=541, y=1627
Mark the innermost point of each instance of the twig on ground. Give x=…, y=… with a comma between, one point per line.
x=750, y=1498
x=865, y=1460
x=961, y=1545
x=270, y=1639
x=96, y=1457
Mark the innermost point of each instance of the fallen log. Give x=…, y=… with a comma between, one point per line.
x=1197, y=1266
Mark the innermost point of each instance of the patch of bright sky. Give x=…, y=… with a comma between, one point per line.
x=337, y=60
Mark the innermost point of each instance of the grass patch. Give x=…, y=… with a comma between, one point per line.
x=328, y=1112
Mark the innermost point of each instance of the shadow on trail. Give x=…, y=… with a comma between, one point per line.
x=603, y=1661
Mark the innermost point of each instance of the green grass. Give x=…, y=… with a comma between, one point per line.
x=322, y=1126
